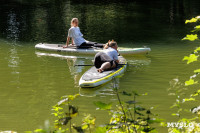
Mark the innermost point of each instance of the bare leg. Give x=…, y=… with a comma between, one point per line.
x=106, y=66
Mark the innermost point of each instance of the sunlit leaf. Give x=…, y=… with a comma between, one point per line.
x=145, y=94
x=190, y=82
x=188, y=99
x=85, y=126
x=24, y=132
x=55, y=114
x=190, y=58
x=163, y=124
x=193, y=20
x=70, y=97
x=39, y=131
x=175, y=105
x=103, y=106
x=197, y=49
x=175, y=114
x=191, y=37
x=196, y=93
x=197, y=27
x=88, y=120
x=55, y=108
x=197, y=71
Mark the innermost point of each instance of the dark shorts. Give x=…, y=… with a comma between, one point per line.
x=91, y=44
x=101, y=58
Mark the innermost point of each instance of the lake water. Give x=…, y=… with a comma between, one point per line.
x=32, y=81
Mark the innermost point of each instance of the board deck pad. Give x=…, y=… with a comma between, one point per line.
x=86, y=50
x=93, y=74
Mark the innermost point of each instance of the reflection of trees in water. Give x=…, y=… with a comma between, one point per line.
x=75, y=71
x=49, y=21
x=13, y=30
x=39, y=23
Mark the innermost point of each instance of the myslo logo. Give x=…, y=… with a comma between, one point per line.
x=180, y=124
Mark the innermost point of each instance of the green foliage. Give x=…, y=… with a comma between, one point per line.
x=40, y=131
x=191, y=20
x=188, y=99
x=103, y=106
x=128, y=117
x=179, y=91
x=191, y=37
x=88, y=122
x=191, y=58
x=71, y=111
x=197, y=71
x=101, y=129
x=190, y=82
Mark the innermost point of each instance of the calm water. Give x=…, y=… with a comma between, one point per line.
x=32, y=81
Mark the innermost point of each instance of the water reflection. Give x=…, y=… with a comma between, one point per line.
x=40, y=24
x=76, y=72
x=13, y=30
x=13, y=63
x=49, y=21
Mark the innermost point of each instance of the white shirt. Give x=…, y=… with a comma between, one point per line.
x=77, y=36
x=112, y=53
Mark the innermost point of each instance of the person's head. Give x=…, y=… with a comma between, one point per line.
x=112, y=44
x=74, y=22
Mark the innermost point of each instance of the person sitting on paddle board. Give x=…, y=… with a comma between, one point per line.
x=75, y=34
x=108, y=59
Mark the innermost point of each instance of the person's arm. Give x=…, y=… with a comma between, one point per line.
x=116, y=56
x=67, y=43
x=68, y=37
x=72, y=41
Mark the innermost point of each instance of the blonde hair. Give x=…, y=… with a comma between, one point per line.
x=110, y=44
x=73, y=20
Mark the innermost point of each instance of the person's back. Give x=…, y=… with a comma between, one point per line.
x=112, y=53
x=107, y=59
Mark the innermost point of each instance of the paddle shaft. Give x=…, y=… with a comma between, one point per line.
x=93, y=65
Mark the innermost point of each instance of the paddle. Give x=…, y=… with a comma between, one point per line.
x=93, y=65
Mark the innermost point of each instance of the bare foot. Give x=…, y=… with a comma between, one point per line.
x=100, y=70
x=65, y=46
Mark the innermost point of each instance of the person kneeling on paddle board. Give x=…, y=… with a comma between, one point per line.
x=75, y=34
x=108, y=59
